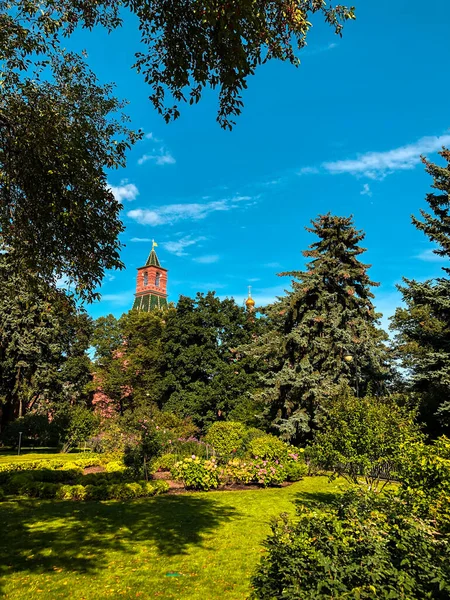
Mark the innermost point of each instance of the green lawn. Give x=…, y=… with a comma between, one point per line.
x=197, y=546
x=10, y=457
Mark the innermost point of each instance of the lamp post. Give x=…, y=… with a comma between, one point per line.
x=20, y=442
x=349, y=358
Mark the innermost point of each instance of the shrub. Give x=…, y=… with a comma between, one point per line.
x=268, y=447
x=19, y=483
x=269, y=473
x=425, y=477
x=263, y=472
x=197, y=473
x=295, y=470
x=368, y=545
x=138, y=457
x=364, y=437
x=115, y=466
x=238, y=471
x=227, y=438
x=2, y=494
x=166, y=462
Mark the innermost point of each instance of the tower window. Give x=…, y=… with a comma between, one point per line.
x=145, y=278
x=158, y=279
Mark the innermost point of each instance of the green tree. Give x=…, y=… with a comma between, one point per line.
x=128, y=359
x=206, y=377
x=43, y=340
x=423, y=325
x=60, y=130
x=324, y=332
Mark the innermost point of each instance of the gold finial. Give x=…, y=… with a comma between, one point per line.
x=154, y=244
x=250, y=303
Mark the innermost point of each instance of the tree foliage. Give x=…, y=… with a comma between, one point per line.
x=205, y=376
x=423, y=325
x=186, y=46
x=43, y=340
x=324, y=332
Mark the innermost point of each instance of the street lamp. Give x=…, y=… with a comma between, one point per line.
x=20, y=442
x=349, y=358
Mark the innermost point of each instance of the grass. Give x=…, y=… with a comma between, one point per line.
x=41, y=455
x=197, y=546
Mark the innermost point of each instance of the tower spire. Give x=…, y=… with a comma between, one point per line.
x=250, y=303
x=151, y=285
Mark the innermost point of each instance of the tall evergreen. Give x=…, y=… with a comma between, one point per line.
x=423, y=339
x=325, y=332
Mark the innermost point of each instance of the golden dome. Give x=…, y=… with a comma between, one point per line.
x=250, y=302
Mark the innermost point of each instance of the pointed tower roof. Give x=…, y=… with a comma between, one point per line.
x=152, y=260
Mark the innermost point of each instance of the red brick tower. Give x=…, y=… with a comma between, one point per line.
x=151, y=284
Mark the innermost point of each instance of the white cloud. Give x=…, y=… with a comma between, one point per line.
x=178, y=247
x=320, y=49
x=308, y=171
x=430, y=256
x=172, y=213
x=119, y=299
x=124, y=191
x=272, y=265
x=377, y=165
x=207, y=260
x=138, y=239
x=366, y=191
x=161, y=158
x=151, y=136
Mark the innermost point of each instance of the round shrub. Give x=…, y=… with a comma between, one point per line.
x=197, y=473
x=295, y=470
x=269, y=447
x=20, y=483
x=226, y=437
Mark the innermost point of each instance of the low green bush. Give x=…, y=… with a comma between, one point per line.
x=197, y=473
x=2, y=494
x=295, y=470
x=365, y=546
x=268, y=447
x=262, y=472
x=86, y=460
x=227, y=438
x=115, y=466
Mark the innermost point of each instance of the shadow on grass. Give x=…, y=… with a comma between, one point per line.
x=62, y=535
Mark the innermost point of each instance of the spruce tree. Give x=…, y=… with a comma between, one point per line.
x=325, y=333
x=423, y=326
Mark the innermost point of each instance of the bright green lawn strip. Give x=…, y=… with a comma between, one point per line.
x=52, y=550
x=60, y=456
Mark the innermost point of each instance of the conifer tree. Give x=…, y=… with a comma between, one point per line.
x=325, y=334
x=423, y=339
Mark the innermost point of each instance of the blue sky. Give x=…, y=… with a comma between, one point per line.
x=343, y=133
